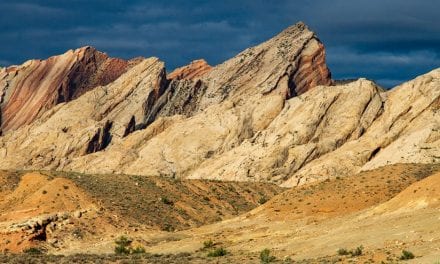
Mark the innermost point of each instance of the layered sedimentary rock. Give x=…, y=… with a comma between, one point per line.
x=231, y=140
x=87, y=124
x=195, y=69
x=311, y=70
x=323, y=133
x=107, y=115
x=224, y=107
x=288, y=64
x=28, y=90
x=268, y=114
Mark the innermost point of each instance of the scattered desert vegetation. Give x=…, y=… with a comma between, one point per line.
x=124, y=246
x=172, y=204
x=406, y=255
x=218, y=252
x=266, y=257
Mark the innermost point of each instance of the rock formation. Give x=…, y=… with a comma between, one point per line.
x=288, y=64
x=87, y=124
x=194, y=70
x=321, y=134
x=268, y=114
x=27, y=91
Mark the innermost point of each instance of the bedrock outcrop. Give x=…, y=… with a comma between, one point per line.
x=321, y=134
x=29, y=90
x=195, y=69
x=271, y=113
x=87, y=124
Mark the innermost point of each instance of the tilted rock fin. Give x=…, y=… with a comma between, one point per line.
x=291, y=63
x=267, y=114
x=195, y=69
x=28, y=90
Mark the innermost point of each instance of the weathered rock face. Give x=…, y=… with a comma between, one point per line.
x=229, y=104
x=325, y=133
x=288, y=64
x=267, y=114
x=88, y=124
x=322, y=133
x=311, y=70
x=194, y=70
x=108, y=114
x=27, y=91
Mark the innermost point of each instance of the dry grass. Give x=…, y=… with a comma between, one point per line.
x=162, y=203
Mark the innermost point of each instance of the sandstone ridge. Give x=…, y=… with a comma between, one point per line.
x=268, y=114
x=28, y=90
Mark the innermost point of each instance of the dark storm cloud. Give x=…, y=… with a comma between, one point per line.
x=389, y=41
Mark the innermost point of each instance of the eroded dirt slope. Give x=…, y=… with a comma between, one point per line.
x=59, y=210
x=310, y=223
x=386, y=210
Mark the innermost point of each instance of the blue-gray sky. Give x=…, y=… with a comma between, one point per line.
x=389, y=41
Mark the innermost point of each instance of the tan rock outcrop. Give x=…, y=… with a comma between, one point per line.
x=288, y=64
x=227, y=105
x=254, y=117
x=405, y=131
x=87, y=124
x=107, y=114
x=320, y=134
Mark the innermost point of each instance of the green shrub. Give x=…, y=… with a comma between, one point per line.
x=77, y=233
x=120, y=250
x=354, y=252
x=166, y=200
x=406, y=255
x=218, y=252
x=208, y=244
x=262, y=200
x=138, y=250
x=168, y=227
x=123, y=245
x=357, y=252
x=343, y=252
x=265, y=256
x=33, y=250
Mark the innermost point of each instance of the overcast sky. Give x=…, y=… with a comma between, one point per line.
x=390, y=41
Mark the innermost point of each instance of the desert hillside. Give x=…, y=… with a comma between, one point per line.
x=385, y=210
x=263, y=151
